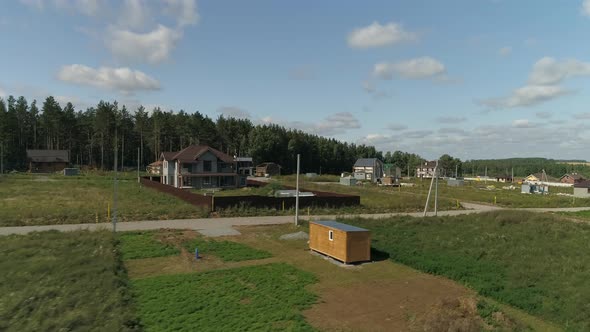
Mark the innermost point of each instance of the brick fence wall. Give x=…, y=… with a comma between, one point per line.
x=322, y=198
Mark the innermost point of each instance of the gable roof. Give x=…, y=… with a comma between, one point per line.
x=366, y=162
x=48, y=156
x=193, y=152
x=339, y=225
x=574, y=176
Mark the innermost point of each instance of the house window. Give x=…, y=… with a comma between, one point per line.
x=206, y=165
x=331, y=235
x=207, y=181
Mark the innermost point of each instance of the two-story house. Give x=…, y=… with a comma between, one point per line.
x=200, y=166
x=370, y=169
x=426, y=169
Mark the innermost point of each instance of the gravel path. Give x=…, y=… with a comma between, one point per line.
x=224, y=225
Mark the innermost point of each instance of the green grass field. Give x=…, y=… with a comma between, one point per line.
x=54, y=281
x=258, y=298
x=227, y=251
x=135, y=245
x=535, y=262
x=55, y=199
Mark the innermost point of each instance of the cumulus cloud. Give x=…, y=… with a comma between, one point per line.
x=122, y=79
x=582, y=116
x=451, y=119
x=505, y=51
x=135, y=14
x=586, y=7
x=418, y=68
x=543, y=115
x=334, y=124
x=396, y=127
x=234, y=112
x=523, y=123
x=154, y=46
x=377, y=35
x=548, y=71
x=528, y=95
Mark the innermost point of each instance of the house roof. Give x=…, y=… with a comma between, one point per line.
x=366, y=162
x=48, y=156
x=193, y=152
x=156, y=163
x=543, y=177
x=574, y=176
x=583, y=184
x=267, y=164
x=339, y=226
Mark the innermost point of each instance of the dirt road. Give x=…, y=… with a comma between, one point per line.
x=224, y=225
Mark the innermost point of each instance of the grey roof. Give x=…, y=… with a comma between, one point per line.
x=583, y=184
x=48, y=156
x=339, y=225
x=366, y=162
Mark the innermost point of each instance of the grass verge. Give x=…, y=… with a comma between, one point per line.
x=134, y=245
x=54, y=281
x=249, y=299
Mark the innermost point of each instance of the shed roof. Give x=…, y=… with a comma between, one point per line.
x=48, y=156
x=583, y=184
x=339, y=225
x=366, y=162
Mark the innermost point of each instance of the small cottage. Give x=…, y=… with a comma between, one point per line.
x=346, y=243
x=582, y=189
x=46, y=161
x=370, y=169
x=572, y=178
x=268, y=169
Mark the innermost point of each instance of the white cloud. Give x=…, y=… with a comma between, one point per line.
x=185, y=11
x=154, y=46
x=523, y=123
x=377, y=35
x=123, y=79
x=582, y=116
x=528, y=95
x=505, y=51
x=418, y=68
x=234, y=112
x=548, y=71
x=451, y=119
x=135, y=14
x=334, y=124
x=396, y=127
x=543, y=115
x=586, y=7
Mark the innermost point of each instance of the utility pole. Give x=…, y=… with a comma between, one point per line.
x=115, y=191
x=430, y=191
x=1, y=158
x=297, y=193
x=138, y=165
x=456, y=170
x=512, y=176
x=436, y=190
x=486, y=175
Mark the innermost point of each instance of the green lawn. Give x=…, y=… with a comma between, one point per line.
x=134, y=245
x=227, y=251
x=585, y=215
x=535, y=262
x=258, y=298
x=55, y=199
x=54, y=281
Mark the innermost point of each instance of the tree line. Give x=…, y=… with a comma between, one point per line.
x=523, y=167
x=93, y=136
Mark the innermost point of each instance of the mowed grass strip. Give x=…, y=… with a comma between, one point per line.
x=535, y=262
x=134, y=245
x=54, y=281
x=227, y=251
x=257, y=298
x=55, y=199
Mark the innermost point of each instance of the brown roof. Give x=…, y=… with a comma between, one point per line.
x=574, y=176
x=156, y=163
x=583, y=184
x=48, y=156
x=193, y=152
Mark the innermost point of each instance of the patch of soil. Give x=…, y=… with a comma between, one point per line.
x=383, y=305
x=451, y=314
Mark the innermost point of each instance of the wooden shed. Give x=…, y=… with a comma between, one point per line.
x=346, y=243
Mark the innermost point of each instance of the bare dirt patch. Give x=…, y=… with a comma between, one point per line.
x=382, y=305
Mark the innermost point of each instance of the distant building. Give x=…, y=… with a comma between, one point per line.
x=155, y=168
x=582, y=189
x=369, y=169
x=46, y=161
x=539, y=177
x=268, y=169
x=392, y=170
x=572, y=178
x=245, y=166
x=200, y=166
x=426, y=169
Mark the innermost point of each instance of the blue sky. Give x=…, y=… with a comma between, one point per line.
x=475, y=79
